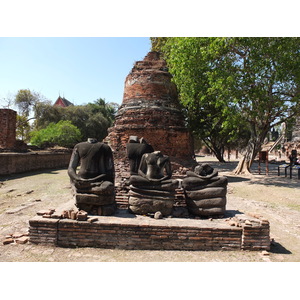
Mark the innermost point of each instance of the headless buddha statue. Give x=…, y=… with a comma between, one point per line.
x=93, y=185
x=205, y=191
x=135, y=150
x=153, y=189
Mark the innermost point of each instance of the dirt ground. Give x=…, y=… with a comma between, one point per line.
x=275, y=197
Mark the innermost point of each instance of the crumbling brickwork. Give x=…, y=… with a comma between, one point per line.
x=12, y=163
x=8, y=120
x=151, y=109
x=142, y=233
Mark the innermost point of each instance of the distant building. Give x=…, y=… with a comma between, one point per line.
x=62, y=101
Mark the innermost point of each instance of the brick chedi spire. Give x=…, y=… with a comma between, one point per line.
x=150, y=109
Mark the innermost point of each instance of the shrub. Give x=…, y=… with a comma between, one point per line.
x=63, y=133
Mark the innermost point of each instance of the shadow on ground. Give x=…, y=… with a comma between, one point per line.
x=229, y=213
x=28, y=174
x=278, y=182
x=124, y=213
x=236, y=179
x=278, y=248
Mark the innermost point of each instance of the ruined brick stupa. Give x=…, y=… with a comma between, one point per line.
x=8, y=119
x=150, y=109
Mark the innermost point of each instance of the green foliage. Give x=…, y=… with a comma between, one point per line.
x=233, y=87
x=93, y=119
x=25, y=100
x=157, y=43
x=23, y=128
x=191, y=65
x=63, y=133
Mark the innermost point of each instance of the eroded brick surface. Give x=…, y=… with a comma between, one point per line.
x=123, y=231
x=151, y=109
x=8, y=119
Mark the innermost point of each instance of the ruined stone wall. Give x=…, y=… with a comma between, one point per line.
x=11, y=163
x=8, y=119
x=148, y=234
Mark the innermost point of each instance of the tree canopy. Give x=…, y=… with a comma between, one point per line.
x=92, y=119
x=63, y=133
x=25, y=100
x=234, y=84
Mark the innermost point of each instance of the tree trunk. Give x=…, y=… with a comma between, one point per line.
x=218, y=151
x=243, y=167
x=219, y=155
x=245, y=163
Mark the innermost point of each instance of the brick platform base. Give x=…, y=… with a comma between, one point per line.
x=127, y=231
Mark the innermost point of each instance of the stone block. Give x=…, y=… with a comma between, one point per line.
x=22, y=240
x=7, y=241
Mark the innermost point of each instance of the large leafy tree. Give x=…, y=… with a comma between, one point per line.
x=252, y=82
x=210, y=119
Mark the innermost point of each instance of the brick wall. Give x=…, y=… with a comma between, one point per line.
x=145, y=233
x=8, y=119
x=11, y=163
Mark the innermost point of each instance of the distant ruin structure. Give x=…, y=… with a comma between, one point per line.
x=296, y=131
x=8, y=121
x=151, y=110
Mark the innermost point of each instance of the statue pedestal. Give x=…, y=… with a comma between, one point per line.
x=143, y=202
x=136, y=232
x=102, y=204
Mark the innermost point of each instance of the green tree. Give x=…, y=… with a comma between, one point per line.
x=210, y=120
x=93, y=119
x=23, y=128
x=157, y=43
x=253, y=82
x=26, y=102
x=63, y=133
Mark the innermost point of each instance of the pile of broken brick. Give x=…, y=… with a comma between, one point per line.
x=73, y=214
x=22, y=238
x=17, y=237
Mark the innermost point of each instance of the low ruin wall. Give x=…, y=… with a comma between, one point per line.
x=11, y=163
x=142, y=233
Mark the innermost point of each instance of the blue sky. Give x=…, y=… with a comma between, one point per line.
x=40, y=47
x=82, y=69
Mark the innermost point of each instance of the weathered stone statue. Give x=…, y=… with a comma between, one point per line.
x=135, y=150
x=153, y=189
x=205, y=191
x=93, y=185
